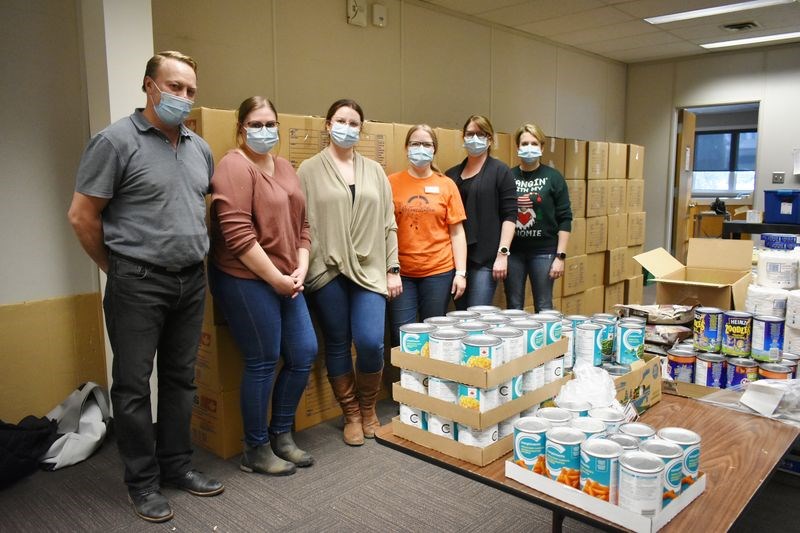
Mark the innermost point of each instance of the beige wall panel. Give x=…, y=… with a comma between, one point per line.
x=720, y=80
x=581, y=91
x=615, y=102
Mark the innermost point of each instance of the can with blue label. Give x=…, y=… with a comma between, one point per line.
x=578, y=408
x=741, y=371
x=640, y=475
x=607, y=340
x=414, y=338
x=587, y=340
x=515, y=314
x=611, y=417
x=529, y=443
x=737, y=332
x=446, y=344
x=569, y=356
x=767, y=343
x=600, y=469
x=482, y=351
x=441, y=321
x=689, y=441
x=640, y=430
x=707, y=330
x=413, y=417
x=563, y=455
x=629, y=342
x=517, y=390
x=463, y=316
x=672, y=455
x=513, y=341
x=555, y=415
x=552, y=326
x=533, y=331
x=591, y=427
x=473, y=327
x=605, y=316
x=711, y=370
x=576, y=320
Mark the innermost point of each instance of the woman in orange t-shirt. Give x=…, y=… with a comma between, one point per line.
x=431, y=242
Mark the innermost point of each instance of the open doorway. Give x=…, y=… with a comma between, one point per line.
x=715, y=158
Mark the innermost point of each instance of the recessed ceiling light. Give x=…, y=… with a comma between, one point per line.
x=753, y=40
x=719, y=10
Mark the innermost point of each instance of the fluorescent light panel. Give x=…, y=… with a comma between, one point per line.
x=753, y=40
x=719, y=10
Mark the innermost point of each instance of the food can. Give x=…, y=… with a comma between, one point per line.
x=640, y=430
x=463, y=316
x=629, y=341
x=473, y=327
x=681, y=365
x=513, y=341
x=711, y=370
x=600, y=468
x=505, y=391
x=689, y=441
x=563, y=455
x=576, y=320
x=707, y=330
x=774, y=371
x=605, y=316
x=626, y=441
x=554, y=370
x=413, y=416
x=640, y=476
x=577, y=408
x=506, y=427
x=482, y=351
x=514, y=314
x=414, y=381
x=529, y=443
x=569, y=356
x=443, y=389
x=791, y=363
x=414, y=338
x=588, y=344
x=555, y=415
x=484, y=309
x=441, y=321
x=533, y=331
x=494, y=320
x=478, y=399
x=611, y=417
x=672, y=456
x=552, y=326
x=591, y=427
x=737, y=332
x=552, y=312
x=439, y=425
x=533, y=379
x=516, y=387
x=741, y=371
x=607, y=340
x=767, y=343
x=616, y=370
x=477, y=437
x=446, y=345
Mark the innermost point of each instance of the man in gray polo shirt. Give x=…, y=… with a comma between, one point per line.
x=139, y=212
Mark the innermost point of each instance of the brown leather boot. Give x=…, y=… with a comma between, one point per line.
x=344, y=389
x=369, y=385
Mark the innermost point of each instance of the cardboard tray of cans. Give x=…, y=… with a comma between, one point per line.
x=479, y=377
x=471, y=454
x=608, y=511
x=472, y=417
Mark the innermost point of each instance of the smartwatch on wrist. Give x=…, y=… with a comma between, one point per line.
x=503, y=250
x=462, y=273
x=561, y=255
x=393, y=270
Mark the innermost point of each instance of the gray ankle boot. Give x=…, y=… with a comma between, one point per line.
x=284, y=447
x=261, y=459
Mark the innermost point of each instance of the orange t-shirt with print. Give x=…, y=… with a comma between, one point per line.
x=424, y=209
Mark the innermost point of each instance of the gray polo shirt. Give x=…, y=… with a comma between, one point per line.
x=157, y=208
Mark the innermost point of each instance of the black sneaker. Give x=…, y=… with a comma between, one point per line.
x=151, y=506
x=196, y=483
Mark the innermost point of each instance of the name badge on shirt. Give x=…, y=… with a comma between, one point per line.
x=432, y=189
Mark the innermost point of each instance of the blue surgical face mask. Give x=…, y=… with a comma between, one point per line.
x=420, y=156
x=261, y=140
x=344, y=136
x=172, y=110
x=476, y=145
x=529, y=153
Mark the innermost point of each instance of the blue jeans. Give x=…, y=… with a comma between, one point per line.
x=348, y=314
x=480, y=287
x=535, y=266
x=428, y=296
x=266, y=325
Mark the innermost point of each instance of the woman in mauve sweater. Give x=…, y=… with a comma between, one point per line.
x=259, y=258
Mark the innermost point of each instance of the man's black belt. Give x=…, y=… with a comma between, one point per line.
x=157, y=268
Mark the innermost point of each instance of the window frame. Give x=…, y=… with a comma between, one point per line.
x=731, y=166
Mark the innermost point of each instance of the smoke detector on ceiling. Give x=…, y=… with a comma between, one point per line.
x=740, y=26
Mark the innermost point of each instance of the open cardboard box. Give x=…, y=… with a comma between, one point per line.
x=479, y=377
x=608, y=511
x=687, y=390
x=716, y=274
x=642, y=385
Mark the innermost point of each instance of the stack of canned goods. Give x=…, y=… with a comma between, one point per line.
x=730, y=348
x=627, y=464
x=606, y=341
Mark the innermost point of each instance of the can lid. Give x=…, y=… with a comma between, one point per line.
x=441, y=320
x=768, y=318
x=532, y=424
x=448, y=333
x=662, y=448
x=682, y=436
x=463, y=314
x=738, y=314
x=417, y=327
x=526, y=323
x=554, y=414
x=637, y=429
x=590, y=326
x=483, y=309
x=472, y=325
x=544, y=317
x=482, y=340
x=565, y=435
x=708, y=310
x=504, y=331
x=587, y=424
x=626, y=441
x=741, y=361
x=641, y=462
x=775, y=367
x=602, y=448
x=711, y=357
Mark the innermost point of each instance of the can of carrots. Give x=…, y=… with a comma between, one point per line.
x=600, y=468
x=672, y=455
x=563, y=455
x=529, y=443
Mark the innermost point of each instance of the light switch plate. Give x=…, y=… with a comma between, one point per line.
x=778, y=177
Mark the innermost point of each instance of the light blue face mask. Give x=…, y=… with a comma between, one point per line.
x=344, y=136
x=261, y=140
x=420, y=156
x=172, y=110
x=529, y=153
x=475, y=145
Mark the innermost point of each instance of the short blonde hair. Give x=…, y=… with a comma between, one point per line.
x=483, y=123
x=534, y=130
x=154, y=62
x=427, y=129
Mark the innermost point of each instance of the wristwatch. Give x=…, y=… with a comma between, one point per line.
x=393, y=270
x=561, y=255
x=503, y=250
x=462, y=273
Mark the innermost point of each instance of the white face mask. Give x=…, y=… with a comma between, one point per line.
x=420, y=156
x=172, y=110
x=344, y=136
x=529, y=153
x=261, y=140
x=476, y=145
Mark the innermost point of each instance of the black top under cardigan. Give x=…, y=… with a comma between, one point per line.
x=492, y=200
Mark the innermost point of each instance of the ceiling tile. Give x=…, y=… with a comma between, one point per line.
x=634, y=41
x=474, y=6
x=625, y=29
x=538, y=10
x=650, y=53
x=584, y=20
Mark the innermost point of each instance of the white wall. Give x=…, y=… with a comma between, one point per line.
x=770, y=76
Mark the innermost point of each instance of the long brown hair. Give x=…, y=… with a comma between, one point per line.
x=247, y=107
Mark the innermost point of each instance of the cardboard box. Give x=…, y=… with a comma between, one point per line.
x=615, y=266
x=302, y=137
x=636, y=228
x=593, y=300
x=595, y=269
x=451, y=150
x=219, y=362
x=634, y=290
x=628, y=520
x=216, y=126
x=577, y=238
x=556, y=304
x=399, y=160
x=642, y=385
x=635, y=162
x=574, y=275
x=558, y=288
x=318, y=404
x=596, y=234
x=716, y=274
x=687, y=390
x=617, y=231
x=217, y=422
x=479, y=377
x=597, y=161
x=377, y=143
x=632, y=267
x=615, y=294
x=634, y=196
x=596, y=198
x=617, y=196
x=574, y=159
x=552, y=154
x=572, y=304
x=577, y=197
x=617, y=161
